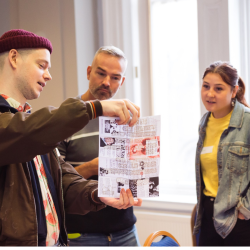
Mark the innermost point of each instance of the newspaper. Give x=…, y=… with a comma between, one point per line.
x=129, y=157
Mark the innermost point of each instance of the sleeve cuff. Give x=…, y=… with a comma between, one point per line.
x=95, y=198
x=94, y=109
x=243, y=209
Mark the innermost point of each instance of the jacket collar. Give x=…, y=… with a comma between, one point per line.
x=5, y=105
x=237, y=115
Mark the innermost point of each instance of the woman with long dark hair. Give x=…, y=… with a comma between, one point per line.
x=222, y=160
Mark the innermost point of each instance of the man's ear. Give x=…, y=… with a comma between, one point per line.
x=13, y=54
x=123, y=79
x=89, y=69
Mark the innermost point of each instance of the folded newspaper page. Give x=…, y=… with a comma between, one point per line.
x=129, y=157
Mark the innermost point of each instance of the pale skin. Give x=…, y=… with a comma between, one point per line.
x=105, y=76
x=217, y=98
x=23, y=78
x=88, y=169
x=217, y=95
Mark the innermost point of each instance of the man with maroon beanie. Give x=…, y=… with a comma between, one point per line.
x=36, y=186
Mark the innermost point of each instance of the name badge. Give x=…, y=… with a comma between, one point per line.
x=207, y=150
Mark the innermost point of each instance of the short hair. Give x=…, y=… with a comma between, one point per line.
x=22, y=52
x=113, y=51
x=3, y=55
x=25, y=51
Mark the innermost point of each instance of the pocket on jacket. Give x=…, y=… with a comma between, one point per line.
x=238, y=158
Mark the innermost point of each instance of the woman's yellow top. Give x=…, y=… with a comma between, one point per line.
x=209, y=167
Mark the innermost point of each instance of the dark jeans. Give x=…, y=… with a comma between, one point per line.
x=127, y=237
x=239, y=236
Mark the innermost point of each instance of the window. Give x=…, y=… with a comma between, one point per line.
x=239, y=37
x=175, y=74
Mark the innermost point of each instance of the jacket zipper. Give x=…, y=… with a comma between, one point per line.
x=63, y=215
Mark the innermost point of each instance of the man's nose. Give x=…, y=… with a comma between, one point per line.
x=106, y=81
x=47, y=76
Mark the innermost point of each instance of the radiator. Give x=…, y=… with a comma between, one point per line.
x=179, y=225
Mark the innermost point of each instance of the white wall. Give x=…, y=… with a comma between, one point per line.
x=174, y=218
x=213, y=33
x=87, y=38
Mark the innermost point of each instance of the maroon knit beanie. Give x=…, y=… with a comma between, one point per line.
x=22, y=39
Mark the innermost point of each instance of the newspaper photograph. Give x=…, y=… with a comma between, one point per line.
x=129, y=157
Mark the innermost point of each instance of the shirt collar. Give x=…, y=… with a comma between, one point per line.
x=15, y=104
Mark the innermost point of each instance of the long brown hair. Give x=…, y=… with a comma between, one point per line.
x=230, y=76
